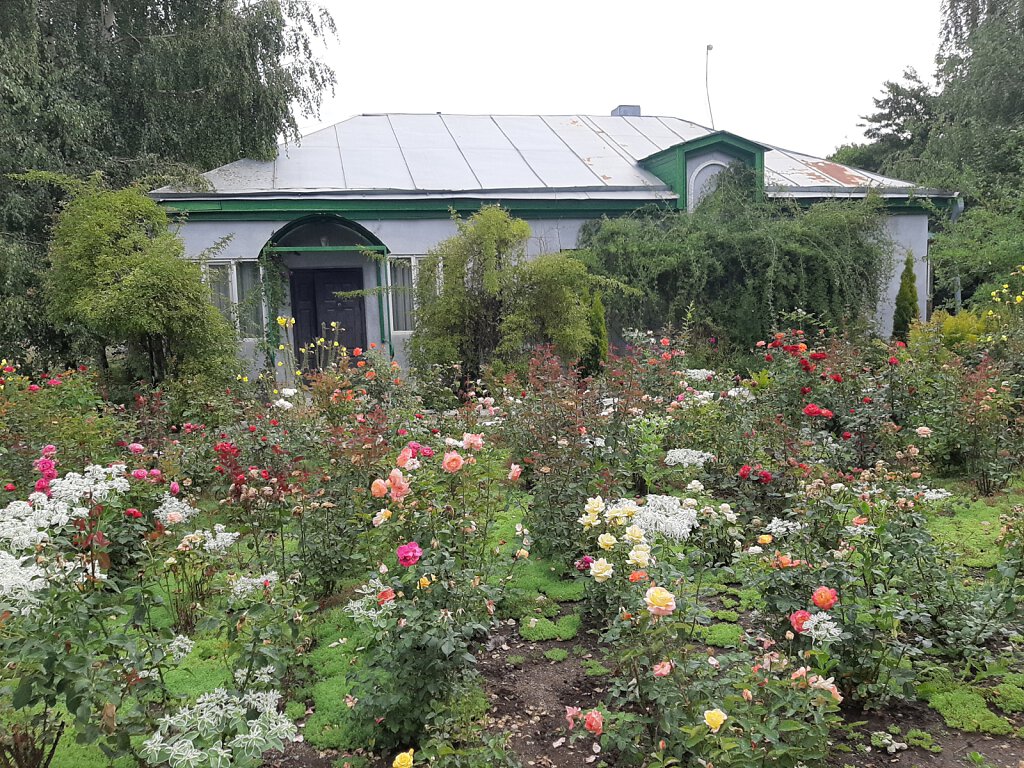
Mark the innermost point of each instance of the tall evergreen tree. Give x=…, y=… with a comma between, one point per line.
x=906, y=301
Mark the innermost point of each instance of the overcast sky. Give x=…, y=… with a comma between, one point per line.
x=794, y=73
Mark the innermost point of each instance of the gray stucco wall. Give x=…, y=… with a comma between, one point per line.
x=908, y=233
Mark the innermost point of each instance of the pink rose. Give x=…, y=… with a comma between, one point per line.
x=379, y=489
x=409, y=554
x=472, y=442
x=407, y=454
x=135, y=448
x=663, y=668
x=398, y=484
x=175, y=488
x=140, y=474
x=571, y=713
x=514, y=472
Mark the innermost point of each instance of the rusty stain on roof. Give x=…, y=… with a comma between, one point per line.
x=841, y=173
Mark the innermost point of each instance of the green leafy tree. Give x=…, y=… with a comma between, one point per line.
x=142, y=90
x=120, y=274
x=906, y=301
x=479, y=300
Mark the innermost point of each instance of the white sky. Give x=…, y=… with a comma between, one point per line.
x=794, y=73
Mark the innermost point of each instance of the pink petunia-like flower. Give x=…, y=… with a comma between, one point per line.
x=409, y=554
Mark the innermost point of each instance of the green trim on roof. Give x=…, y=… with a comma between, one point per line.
x=269, y=209
x=672, y=165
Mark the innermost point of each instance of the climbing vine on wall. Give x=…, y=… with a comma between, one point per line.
x=742, y=262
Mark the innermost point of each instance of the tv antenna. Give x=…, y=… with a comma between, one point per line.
x=707, y=90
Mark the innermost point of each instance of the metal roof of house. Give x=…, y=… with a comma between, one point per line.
x=535, y=156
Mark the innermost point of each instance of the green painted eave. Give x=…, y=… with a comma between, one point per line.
x=275, y=209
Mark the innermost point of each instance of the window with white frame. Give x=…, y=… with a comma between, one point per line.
x=403, y=281
x=236, y=289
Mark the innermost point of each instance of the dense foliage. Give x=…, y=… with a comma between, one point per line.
x=906, y=311
x=737, y=264
x=962, y=130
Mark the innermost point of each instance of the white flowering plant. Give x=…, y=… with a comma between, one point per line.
x=221, y=729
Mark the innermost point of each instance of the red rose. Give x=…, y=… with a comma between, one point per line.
x=768, y=358
x=847, y=435
x=745, y=471
x=894, y=361
x=764, y=476
x=812, y=410
x=805, y=390
x=837, y=378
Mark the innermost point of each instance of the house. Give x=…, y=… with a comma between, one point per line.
x=353, y=206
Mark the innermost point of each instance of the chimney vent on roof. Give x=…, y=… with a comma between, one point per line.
x=626, y=110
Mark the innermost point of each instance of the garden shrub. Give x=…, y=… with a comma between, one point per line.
x=119, y=273
x=479, y=299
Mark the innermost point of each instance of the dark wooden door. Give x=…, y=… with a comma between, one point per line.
x=315, y=305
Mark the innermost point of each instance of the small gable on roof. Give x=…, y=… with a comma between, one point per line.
x=688, y=167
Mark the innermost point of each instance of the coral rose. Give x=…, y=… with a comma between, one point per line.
x=594, y=722
x=452, y=462
x=663, y=668
x=379, y=489
x=825, y=598
x=798, y=618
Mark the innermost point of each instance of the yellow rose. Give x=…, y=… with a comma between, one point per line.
x=660, y=602
x=765, y=539
x=713, y=717
x=404, y=760
x=635, y=534
x=640, y=556
x=424, y=582
x=595, y=505
x=589, y=520
x=607, y=542
x=601, y=570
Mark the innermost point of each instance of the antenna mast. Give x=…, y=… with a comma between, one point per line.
x=707, y=90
